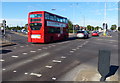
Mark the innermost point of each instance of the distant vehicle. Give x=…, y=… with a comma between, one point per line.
x=95, y=33
x=45, y=27
x=82, y=34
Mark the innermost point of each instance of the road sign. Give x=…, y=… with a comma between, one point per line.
x=104, y=63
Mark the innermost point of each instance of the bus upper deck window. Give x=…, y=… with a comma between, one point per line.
x=35, y=15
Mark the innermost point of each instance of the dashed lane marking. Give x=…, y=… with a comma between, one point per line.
x=63, y=57
x=71, y=51
x=35, y=74
x=39, y=49
x=32, y=51
x=14, y=71
x=48, y=66
x=53, y=78
x=15, y=56
x=1, y=60
x=77, y=48
x=21, y=46
x=15, y=47
x=24, y=53
x=25, y=73
x=74, y=49
x=45, y=48
x=56, y=61
x=3, y=69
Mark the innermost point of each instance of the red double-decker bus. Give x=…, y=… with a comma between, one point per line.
x=44, y=27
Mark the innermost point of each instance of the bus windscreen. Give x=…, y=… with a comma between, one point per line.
x=35, y=26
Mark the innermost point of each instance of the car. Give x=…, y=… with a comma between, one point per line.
x=82, y=34
x=95, y=33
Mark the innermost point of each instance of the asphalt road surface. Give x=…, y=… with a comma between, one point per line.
x=47, y=62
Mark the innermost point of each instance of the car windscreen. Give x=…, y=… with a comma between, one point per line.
x=80, y=32
x=35, y=26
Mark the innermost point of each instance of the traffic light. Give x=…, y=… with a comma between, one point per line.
x=4, y=25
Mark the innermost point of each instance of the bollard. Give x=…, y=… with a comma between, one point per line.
x=104, y=63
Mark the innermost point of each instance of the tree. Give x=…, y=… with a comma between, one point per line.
x=90, y=28
x=97, y=28
x=70, y=25
x=113, y=27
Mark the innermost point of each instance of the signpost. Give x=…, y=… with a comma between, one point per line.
x=104, y=63
x=4, y=25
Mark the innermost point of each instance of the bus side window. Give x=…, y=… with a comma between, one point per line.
x=47, y=16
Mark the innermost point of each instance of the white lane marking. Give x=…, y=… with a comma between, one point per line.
x=14, y=71
x=32, y=51
x=45, y=48
x=74, y=49
x=39, y=49
x=3, y=69
x=21, y=46
x=56, y=61
x=63, y=57
x=115, y=45
x=1, y=60
x=24, y=53
x=48, y=66
x=24, y=62
x=53, y=78
x=53, y=45
x=71, y=51
x=35, y=74
x=49, y=46
x=15, y=47
x=77, y=48
x=25, y=73
x=15, y=56
x=80, y=46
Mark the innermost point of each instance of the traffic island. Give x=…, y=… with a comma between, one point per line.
x=4, y=43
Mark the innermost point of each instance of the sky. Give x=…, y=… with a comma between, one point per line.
x=81, y=13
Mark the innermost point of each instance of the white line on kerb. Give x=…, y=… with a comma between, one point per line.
x=1, y=60
x=32, y=51
x=56, y=61
x=35, y=74
x=49, y=66
x=15, y=56
x=24, y=53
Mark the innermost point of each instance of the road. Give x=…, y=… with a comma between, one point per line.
x=47, y=62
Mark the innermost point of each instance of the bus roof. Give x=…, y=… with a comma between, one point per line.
x=45, y=12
